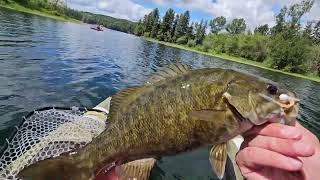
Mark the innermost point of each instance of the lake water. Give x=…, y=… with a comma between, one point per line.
x=44, y=62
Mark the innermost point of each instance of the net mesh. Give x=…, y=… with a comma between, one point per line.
x=45, y=134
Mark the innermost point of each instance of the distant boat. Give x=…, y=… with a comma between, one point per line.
x=97, y=28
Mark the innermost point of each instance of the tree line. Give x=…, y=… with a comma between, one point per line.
x=60, y=8
x=287, y=46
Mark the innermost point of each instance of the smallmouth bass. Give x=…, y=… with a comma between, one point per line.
x=178, y=110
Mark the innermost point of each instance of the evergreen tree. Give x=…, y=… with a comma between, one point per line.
x=174, y=27
x=154, y=22
x=147, y=24
x=190, y=34
x=167, y=21
x=182, y=26
x=139, y=29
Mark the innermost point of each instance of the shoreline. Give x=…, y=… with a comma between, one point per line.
x=233, y=59
x=45, y=13
x=17, y=7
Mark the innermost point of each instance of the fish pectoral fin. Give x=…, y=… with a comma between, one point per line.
x=218, y=159
x=233, y=146
x=208, y=115
x=139, y=169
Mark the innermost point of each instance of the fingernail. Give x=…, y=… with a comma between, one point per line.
x=291, y=133
x=295, y=164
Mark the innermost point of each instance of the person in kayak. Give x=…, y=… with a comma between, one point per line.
x=99, y=27
x=273, y=151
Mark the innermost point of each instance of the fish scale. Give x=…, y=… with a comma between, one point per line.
x=183, y=101
x=182, y=104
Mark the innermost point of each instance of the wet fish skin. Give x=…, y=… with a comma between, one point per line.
x=156, y=120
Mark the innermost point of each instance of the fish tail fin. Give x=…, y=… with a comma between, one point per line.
x=61, y=168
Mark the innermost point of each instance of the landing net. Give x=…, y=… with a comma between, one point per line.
x=47, y=133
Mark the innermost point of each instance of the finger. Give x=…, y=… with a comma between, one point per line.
x=283, y=146
x=275, y=130
x=267, y=174
x=252, y=157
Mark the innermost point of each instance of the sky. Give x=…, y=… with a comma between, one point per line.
x=255, y=12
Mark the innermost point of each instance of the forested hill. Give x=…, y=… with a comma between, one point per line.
x=59, y=8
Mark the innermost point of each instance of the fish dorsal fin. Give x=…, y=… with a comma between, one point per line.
x=139, y=169
x=218, y=159
x=121, y=98
x=168, y=72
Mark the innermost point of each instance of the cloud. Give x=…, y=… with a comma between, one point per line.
x=125, y=9
x=255, y=12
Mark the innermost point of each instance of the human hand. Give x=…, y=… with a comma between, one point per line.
x=275, y=151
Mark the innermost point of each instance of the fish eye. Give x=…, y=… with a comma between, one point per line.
x=272, y=89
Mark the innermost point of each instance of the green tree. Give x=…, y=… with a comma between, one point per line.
x=289, y=54
x=288, y=20
x=296, y=11
x=237, y=26
x=182, y=40
x=139, y=29
x=155, y=22
x=167, y=21
x=183, y=24
x=174, y=27
x=263, y=29
x=147, y=24
x=190, y=33
x=280, y=21
x=316, y=32
x=200, y=31
x=308, y=30
x=217, y=24
x=315, y=60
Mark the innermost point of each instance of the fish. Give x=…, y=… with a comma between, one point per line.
x=179, y=109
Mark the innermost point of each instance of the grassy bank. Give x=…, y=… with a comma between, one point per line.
x=43, y=12
x=234, y=59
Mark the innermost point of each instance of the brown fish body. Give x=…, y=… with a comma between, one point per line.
x=155, y=120
x=182, y=112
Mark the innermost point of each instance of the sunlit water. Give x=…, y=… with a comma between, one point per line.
x=51, y=63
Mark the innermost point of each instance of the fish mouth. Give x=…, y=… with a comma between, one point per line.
x=287, y=102
x=288, y=106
